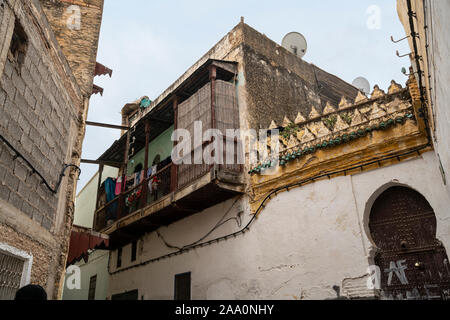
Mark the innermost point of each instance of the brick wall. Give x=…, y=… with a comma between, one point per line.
x=78, y=45
x=34, y=120
x=42, y=110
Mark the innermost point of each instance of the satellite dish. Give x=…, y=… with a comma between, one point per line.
x=362, y=84
x=295, y=43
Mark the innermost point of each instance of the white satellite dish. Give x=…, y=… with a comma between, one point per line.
x=295, y=43
x=362, y=84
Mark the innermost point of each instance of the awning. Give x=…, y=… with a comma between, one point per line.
x=82, y=241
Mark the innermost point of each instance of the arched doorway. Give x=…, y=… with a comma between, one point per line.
x=413, y=263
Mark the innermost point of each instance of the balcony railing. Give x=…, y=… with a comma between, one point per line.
x=149, y=191
x=177, y=191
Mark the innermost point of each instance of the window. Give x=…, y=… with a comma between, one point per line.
x=18, y=47
x=12, y=268
x=133, y=251
x=130, y=295
x=119, y=257
x=16, y=266
x=92, y=285
x=183, y=286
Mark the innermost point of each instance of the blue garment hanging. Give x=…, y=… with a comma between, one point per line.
x=110, y=188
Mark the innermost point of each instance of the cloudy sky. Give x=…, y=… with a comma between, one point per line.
x=149, y=44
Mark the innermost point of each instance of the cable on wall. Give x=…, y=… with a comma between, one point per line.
x=53, y=190
x=263, y=205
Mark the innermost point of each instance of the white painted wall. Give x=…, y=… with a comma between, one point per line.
x=304, y=242
x=86, y=198
x=98, y=259
x=97, y=265
x=438, y=22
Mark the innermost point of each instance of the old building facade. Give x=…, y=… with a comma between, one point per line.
x=354, y=205
x=429, y=47
x=47, y=64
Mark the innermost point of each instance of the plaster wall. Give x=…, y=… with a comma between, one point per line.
x=304, y=243
x=85, y=200
x=431, y=23
x=96, y=266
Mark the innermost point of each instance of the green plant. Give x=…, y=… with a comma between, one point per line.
x=330, y=122
x=290, y=130
x=347, y=118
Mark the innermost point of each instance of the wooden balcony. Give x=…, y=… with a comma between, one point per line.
x=162, y=206
x=207, y=96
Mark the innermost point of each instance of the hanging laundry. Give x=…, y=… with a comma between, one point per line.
x=118, y=186
x=110, y=186
x=155, y=182
x=137, y=179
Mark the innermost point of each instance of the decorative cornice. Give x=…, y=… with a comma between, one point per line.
x=341, y=124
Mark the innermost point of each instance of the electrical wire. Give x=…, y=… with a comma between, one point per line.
x=218, y=224
x=53, y=190
x=263, y=205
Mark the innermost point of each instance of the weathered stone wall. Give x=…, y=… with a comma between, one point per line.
x=279, y=84
x=272, y=82
x=433, y=46
x=42, y=253
x=36, y=114
x=79, y=44
x=42, y=109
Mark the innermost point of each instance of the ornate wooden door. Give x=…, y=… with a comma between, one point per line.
x=413, y=263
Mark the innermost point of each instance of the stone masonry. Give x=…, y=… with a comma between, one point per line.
x=43, y=109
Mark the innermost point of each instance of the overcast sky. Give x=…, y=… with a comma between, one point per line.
x=149, y=44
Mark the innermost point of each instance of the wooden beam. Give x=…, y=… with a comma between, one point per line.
x=144, y=179
x=105, y=163
x=99, y=183
x=160, y=120
x=174, y=168
x=105, y=125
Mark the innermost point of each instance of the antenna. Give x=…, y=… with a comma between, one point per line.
x=295, y=43
x=362, y=84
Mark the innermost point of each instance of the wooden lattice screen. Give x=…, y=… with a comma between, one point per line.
x=227, y=117
x=198, y=108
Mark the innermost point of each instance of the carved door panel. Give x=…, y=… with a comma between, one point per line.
x=412, y=262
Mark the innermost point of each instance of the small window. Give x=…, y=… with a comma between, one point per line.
x=183, y=286
x=133, y=251
x=119, y=257
x=92, y=286
x=18, y=47
x=130, y=295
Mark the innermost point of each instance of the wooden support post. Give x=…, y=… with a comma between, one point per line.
x=174, y=168
x=124, y=175
x=99, y=184
x=144, y=180
x=212, y=79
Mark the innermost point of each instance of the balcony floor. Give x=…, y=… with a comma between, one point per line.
x=205, y=193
